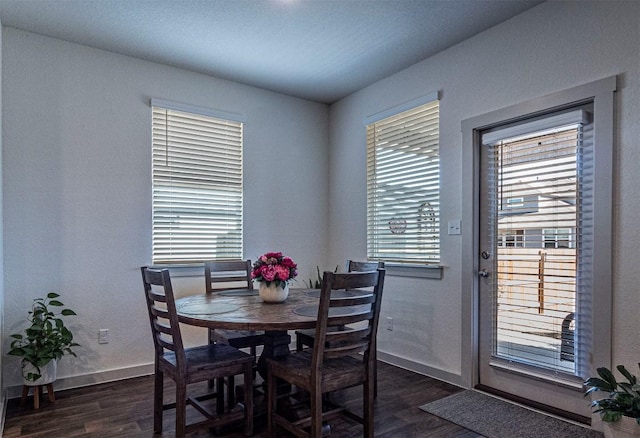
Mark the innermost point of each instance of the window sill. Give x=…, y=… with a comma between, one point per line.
x=188, y=270
x=433, y=272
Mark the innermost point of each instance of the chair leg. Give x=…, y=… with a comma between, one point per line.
x=367, y=409
x=158, y=390
x=231, y=391
x=375, y=374
x=181, y=409
x=271, y=405
x=210, y=341
x=299, y=345
x=219, y=395
x=248, y=400
x=316, y=413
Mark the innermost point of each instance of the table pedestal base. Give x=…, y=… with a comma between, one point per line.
x=276, y=344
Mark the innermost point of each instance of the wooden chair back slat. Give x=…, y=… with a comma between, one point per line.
x=339, y=321
x=163, y=328
x=227, y=274
x=347, y=350
x=347, y=342
x=160, y=312
x=351, y=280
x=166, y=344
x=157, y=297
x=366, y=298
x=229, y=278
x=165, y=337
x=355, y=266
x=348, y=335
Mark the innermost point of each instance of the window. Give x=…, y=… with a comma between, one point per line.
x=557, y=238
x=515, y=202
x=403, y=205
x=513, y=238
x=197, y=185
x=550, y=157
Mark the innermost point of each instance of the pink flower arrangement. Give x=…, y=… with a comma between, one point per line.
x=273, y=266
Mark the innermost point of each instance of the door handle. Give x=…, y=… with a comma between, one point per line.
x=483, y=273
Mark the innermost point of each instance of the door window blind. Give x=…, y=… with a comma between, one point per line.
x=540, y=191
x=197, y=187
x=403, y=182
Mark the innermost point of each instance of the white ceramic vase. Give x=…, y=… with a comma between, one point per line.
x=273, y=293
x=48, y=373
x=625, y=427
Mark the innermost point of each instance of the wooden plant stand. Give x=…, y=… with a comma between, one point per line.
x=37, y=392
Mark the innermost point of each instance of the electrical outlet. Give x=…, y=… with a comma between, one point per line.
x=389, y=323
x=103, y=336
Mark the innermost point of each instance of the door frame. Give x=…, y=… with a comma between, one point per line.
x=601, y=92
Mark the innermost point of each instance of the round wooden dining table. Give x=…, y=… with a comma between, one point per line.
x=243, y=309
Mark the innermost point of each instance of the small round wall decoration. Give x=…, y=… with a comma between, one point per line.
x=397, y=226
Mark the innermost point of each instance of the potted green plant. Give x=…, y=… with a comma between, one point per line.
x=317, y=284
x=44, y=342
x=620, y=410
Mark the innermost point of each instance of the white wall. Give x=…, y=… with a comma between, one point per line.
x=551, y=47
x=77, y=188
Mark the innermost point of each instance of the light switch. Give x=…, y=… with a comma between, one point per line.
x=455, y=227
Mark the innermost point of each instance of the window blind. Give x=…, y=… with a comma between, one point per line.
x=540, y=188
x=403, y=182
x=197, y=187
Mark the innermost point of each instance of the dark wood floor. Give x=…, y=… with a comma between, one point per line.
x=124, y=409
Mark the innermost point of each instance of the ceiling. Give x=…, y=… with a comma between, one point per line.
x=320, y=50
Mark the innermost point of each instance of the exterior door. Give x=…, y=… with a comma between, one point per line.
x=531, y=237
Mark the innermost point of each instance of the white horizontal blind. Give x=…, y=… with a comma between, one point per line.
x=403, y=184
x=197, y=187
x=585, y=238
x=540, y=196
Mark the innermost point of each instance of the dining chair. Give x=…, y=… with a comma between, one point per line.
x=190, y=365
x=231, y=275
x=333, y=363
x=307, y=337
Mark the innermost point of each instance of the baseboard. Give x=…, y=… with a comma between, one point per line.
x=420, y=368
x=90, y=379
